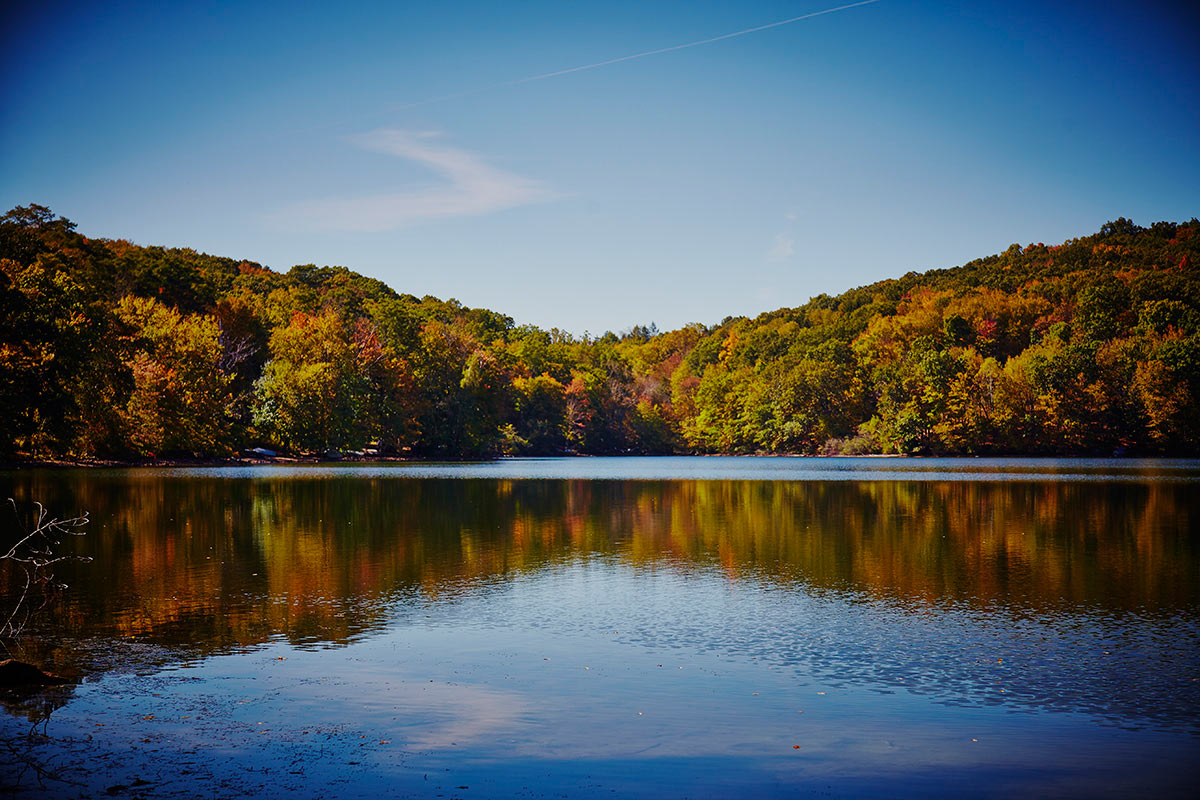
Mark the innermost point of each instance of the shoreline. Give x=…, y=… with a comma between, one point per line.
x=312, y=460
x=231, y=461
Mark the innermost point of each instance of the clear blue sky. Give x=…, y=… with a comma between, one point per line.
x=728, y=178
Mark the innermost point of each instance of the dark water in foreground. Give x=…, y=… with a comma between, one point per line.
x=621, y=627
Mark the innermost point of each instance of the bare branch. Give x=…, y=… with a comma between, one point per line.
x=36, y=551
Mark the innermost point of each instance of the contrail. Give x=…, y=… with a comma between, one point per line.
x=659, y=51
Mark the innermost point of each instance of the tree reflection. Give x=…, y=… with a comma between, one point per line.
x=192, y=566
x=224, y=562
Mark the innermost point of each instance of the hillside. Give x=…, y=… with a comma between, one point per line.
x=110, y=349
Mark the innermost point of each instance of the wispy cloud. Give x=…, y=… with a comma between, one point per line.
x=784, y=248
x=471, y=187
x=633, y=56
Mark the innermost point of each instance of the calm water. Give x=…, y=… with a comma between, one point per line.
x=670, y=627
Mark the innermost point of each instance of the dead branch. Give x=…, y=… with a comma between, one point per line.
x=36, y=552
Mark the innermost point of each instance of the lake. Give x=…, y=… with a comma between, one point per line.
x=619, y=627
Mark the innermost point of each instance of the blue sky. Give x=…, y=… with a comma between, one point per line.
x=729, y=178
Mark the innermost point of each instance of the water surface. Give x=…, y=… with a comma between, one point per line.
x=655, y=627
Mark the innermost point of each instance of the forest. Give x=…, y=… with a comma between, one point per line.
x=112, y=350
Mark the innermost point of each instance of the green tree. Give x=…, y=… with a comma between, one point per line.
x=540, y=414
x=311, y=395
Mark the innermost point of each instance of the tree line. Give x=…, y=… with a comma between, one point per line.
x=115, y=350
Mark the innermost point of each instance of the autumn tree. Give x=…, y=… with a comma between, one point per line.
x=180, y=397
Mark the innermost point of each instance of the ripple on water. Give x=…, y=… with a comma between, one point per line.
x=1128, y=668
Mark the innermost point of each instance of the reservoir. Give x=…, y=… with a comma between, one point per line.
x=616, y=627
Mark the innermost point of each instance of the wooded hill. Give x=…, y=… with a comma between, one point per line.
x=110, y=349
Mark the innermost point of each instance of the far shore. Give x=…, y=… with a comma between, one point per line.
x=357, y=458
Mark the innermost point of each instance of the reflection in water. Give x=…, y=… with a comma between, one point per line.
x=37, y=704
x=1073, y=596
